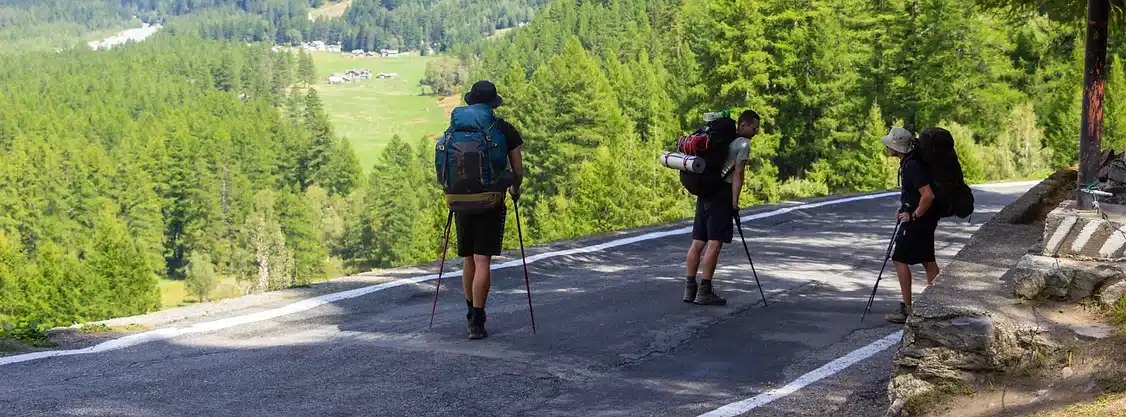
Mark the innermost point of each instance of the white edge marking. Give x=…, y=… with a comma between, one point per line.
x=827, y=370
x=1113, y=243
x=1007, y=184
x=1062, y=230
x=1085, y=234
x=310, y=303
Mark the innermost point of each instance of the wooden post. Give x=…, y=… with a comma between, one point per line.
x=1094, y=89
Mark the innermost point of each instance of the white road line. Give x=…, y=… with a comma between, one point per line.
x=1085, y=234
x=310, y=303
x=829, y=369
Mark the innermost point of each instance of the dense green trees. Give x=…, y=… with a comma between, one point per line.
x=48, y=24
x=829, y=77
x=367, y=24
x=120, y=167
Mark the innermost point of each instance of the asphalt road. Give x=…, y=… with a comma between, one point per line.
x=613, y=338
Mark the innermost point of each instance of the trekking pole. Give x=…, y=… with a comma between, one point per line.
x=887, y=256
x=441, y=267
x=739, y=224
x=524, y=260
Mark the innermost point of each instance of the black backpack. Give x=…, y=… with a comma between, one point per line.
x=711, y=143
x=935, y=147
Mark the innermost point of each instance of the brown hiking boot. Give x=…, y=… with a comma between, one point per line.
x=706, y=296
x=899, y=317
x=690, y=290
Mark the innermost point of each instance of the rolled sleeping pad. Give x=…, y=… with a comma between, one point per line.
x=682, y=162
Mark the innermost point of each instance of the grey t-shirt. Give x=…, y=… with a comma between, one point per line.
x=739, y=151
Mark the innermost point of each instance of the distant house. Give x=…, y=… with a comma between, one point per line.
x=388, y=52
x=335, y=79
x=384, y=75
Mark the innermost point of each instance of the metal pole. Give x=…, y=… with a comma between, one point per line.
x=887, y=256
x=441, y=267
x=1094, y=89
x=739, y=224
x=524, y=260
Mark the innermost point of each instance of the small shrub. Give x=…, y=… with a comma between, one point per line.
x=796, y=188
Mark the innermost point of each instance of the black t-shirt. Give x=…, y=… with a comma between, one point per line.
x=913, y=176
x=511, y=136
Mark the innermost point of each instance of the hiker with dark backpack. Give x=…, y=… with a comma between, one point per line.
x=932, y=187
x=478, y=159
x=725, y=147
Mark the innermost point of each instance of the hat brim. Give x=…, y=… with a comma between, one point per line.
x=494, y=104
x=890, y=143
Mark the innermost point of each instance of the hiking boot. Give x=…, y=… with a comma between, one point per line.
x=477, y=325
x=899, y=317
x=706, y=296
x=690, y=290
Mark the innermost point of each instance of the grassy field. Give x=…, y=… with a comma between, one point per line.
x=173, y=292
x=369, y=112
x=331, y=8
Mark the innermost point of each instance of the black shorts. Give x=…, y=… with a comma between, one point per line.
x=915, y=244
x=715, y=217
x=480, y=234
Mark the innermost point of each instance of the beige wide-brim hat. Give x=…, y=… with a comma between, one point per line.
x=899, y=140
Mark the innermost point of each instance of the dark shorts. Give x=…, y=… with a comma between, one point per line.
x=915, y=244
x=715, y=217
x=480, y=234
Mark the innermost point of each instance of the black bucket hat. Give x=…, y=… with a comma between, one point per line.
x=483, y=92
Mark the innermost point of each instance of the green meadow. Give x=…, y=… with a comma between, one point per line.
x=370, y=112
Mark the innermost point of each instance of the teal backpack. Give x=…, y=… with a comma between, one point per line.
x=471, y=160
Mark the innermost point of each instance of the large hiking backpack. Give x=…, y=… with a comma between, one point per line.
x=711, y=143
x=935, y=147
x=471, y=160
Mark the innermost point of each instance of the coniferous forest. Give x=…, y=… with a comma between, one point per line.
x=192, y=156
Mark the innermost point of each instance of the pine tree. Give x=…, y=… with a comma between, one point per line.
x=307, y=69
x=945, y=73
x=272, y=262
x=970, y=155
x=301, y=238
x=589, y=115
x=394, y=203
x=320, y=147
x=1059, y=100
x=730, y=43
x=199, y=275
x=227, y=73
x=282, y=71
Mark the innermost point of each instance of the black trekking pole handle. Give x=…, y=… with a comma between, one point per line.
x=887, y=256
x=739, y=224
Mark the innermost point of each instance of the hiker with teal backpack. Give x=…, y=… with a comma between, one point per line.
x=478, y=160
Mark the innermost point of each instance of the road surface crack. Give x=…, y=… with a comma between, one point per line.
x=694, y=330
